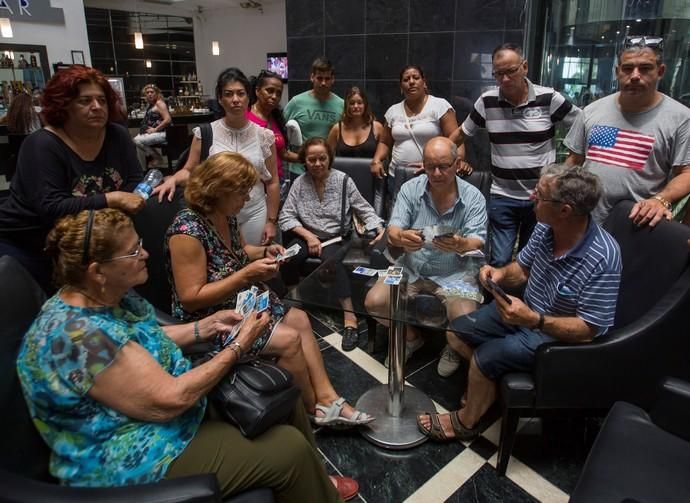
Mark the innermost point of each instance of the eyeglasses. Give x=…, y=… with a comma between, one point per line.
x=536, y=196
x=134, y=254
x=644, y=41
x=499, y=74
x=440, y=167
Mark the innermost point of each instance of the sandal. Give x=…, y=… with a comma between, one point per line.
x=332, y=416
x=462, y=433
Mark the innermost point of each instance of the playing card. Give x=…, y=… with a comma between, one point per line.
x=240, y=300
x=382, y=273
x=289, y=252
x=365, y=271
x=262, y=302
x=392, y=280
x=394, y=271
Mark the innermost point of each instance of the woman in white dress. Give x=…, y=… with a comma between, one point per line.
x=235, y=133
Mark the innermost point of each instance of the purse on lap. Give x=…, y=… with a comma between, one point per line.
x=255, y=395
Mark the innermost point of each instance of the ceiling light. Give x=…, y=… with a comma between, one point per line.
x=148, y=63
x=138, y=40
x=5, y=27
x=215, y=48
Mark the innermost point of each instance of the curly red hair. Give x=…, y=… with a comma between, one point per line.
x=63, y=87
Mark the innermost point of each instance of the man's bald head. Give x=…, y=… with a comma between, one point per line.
x=440, y=146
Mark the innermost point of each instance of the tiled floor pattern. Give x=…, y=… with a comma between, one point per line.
x=548, y=455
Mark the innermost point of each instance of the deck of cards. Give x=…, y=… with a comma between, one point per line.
x=365, y=271
x=248, y=301
x=289, y=252
x=393, y=275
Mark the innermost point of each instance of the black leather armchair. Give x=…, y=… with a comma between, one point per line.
x=24, y=456
x=151, y=223
x=649, y=340
x=640, y=456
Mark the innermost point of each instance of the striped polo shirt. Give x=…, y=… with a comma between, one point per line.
x=583, y=282
x=522, y=137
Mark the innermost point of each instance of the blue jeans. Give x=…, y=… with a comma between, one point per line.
x=498, y=347
x=508, y=219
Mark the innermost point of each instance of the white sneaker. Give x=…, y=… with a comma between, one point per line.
x=410, y=347
x=449, y=362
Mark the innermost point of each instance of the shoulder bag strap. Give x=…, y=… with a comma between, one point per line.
x=409, y=128
x=206, y=140
x=343, y=199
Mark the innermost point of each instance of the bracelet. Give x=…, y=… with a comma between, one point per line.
x=665, y=202
x=236, y=348
x=197, y=337
x=274, y=221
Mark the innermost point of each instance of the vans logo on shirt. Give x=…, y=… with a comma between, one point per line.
x=321, y=115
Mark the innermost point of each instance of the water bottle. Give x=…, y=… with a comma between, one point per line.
x=150, y=181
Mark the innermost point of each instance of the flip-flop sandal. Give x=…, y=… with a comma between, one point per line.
x=347, y=487
x=332, y=417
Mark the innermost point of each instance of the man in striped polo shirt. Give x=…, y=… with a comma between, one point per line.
x=520, y=118
x=572, y=270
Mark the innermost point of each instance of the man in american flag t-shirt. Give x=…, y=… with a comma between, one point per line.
x=636, y=140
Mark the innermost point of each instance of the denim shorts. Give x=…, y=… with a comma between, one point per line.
x=498, y=347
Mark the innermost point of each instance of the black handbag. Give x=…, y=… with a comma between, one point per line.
x=255, y=395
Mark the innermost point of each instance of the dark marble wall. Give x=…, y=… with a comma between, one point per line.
x=370, y=40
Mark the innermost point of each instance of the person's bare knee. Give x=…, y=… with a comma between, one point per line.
x=285, y=343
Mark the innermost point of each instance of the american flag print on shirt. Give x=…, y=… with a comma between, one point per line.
x=619, y=147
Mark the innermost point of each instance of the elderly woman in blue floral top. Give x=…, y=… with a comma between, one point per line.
x=115, y=399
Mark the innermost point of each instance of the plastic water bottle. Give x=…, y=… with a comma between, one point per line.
x=150, y=181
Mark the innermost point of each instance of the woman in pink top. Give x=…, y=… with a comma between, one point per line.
x=265, y=111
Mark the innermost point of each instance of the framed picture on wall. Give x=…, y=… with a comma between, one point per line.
x=78, y=57
x=119, y=86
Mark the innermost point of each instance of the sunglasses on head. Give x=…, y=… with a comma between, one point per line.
x=644, y=41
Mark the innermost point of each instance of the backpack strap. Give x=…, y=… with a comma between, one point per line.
x=206, y=140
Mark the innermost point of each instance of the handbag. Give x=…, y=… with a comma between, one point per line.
x=255, y=395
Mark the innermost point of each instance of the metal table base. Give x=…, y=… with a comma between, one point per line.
x=394, y=432
x=395, y=405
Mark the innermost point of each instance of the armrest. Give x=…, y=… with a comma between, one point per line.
x=164, y=318
x=196, y=489
x=671, y=411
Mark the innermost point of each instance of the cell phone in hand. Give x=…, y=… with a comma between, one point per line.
x=498, y=290
x=445, y=235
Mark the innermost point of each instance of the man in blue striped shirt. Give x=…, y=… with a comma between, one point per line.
x=572, y=270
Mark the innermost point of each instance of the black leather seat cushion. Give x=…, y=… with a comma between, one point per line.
x=636, y=460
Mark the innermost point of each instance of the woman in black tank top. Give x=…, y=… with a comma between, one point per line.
x=357, y=134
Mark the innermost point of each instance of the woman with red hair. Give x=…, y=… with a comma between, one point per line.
x=81, y=160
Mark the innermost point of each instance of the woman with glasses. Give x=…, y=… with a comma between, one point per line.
x=236, y=133
x=210, y=264
x=118, y=402
x=409, y=125
x=81, y=160
x=312, y=214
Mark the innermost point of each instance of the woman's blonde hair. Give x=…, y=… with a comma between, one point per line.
x=218, y=177
x=155, y=89
x=66, y=242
